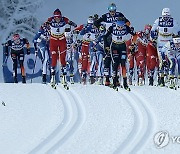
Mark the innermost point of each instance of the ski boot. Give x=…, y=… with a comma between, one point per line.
x=140, y=81
x=117, y=82
x=161, y=82
x=64, y=82
x=151, y=81
x=53, y=82
x=100, y=81
x=114, y=86
x=71, y=78
x=23, y=79
x=44, y=78
x=172, y=83
x=15, y=79
x=107, y=81
x=92, y=80
x=130, y=80
x=83, y=78
x=125, y=84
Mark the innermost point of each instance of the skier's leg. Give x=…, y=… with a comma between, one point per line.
x=21, y=62
x=14, y=59
x=54, y=56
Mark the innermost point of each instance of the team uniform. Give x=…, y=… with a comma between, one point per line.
x=58, y=44
x=70, y=54
x=17, y=54
x=172, y=51
x=119, y=32
x=138, y=53
x=97, y=54
x=89, y=33
x=166, y=26
x=108, y=19
x=41, y=41
x=151, y=61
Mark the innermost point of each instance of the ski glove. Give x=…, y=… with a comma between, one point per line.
x=132, y=48
x=72, y=23
x=107, y=49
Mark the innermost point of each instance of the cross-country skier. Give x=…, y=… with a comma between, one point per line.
x=109, y=18
x=89, y=33
x=166, y=27
x=172, y=51
x=117, y=49
x=70, y=55
x=58, y=43
x=137, y=52
x=41, y=41
x=16, y=45
x=97, y=54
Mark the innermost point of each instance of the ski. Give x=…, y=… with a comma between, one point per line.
x=172, y=87
x=3, y=103
x=66, y=86
x=54, y=86
x=128, y=89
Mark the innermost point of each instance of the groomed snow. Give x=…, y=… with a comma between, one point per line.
x=87, y=119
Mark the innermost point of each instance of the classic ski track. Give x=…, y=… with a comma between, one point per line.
x=144, y=123
x=80, y=119
x=71, y=122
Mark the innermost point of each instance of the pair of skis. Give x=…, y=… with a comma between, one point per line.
x=63, y=82
x=54, y=86
x=117, y=88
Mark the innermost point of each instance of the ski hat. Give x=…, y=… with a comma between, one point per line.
x=166, y=12
x=147, y=28
x=90, y=20
x=57, y=13
x=112, y=7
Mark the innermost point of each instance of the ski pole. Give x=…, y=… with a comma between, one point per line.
x=34, y=68
x=5, y=61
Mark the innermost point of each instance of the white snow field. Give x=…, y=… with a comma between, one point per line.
x=91, y=119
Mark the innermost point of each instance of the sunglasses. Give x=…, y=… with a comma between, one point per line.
x=112, y=11
x=120, y=27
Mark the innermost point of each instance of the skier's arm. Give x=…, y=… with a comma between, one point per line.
x=38, y=34
x=69, y=22
x=27, y=45
x=130, y=30
x=97, y=23
x=122, y=17
x=154, y=29
x=85, y=29
x=109, y=31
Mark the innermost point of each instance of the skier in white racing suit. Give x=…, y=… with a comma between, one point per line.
x=166, y=26
x=172, y=51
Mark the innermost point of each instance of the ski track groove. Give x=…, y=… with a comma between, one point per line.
x=81, y=117
x=144, y=123
x=74, y=117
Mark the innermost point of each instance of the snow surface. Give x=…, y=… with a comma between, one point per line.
x=90, y=119
x=87, y=119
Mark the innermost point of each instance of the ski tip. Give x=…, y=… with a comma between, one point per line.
x=3, y=103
